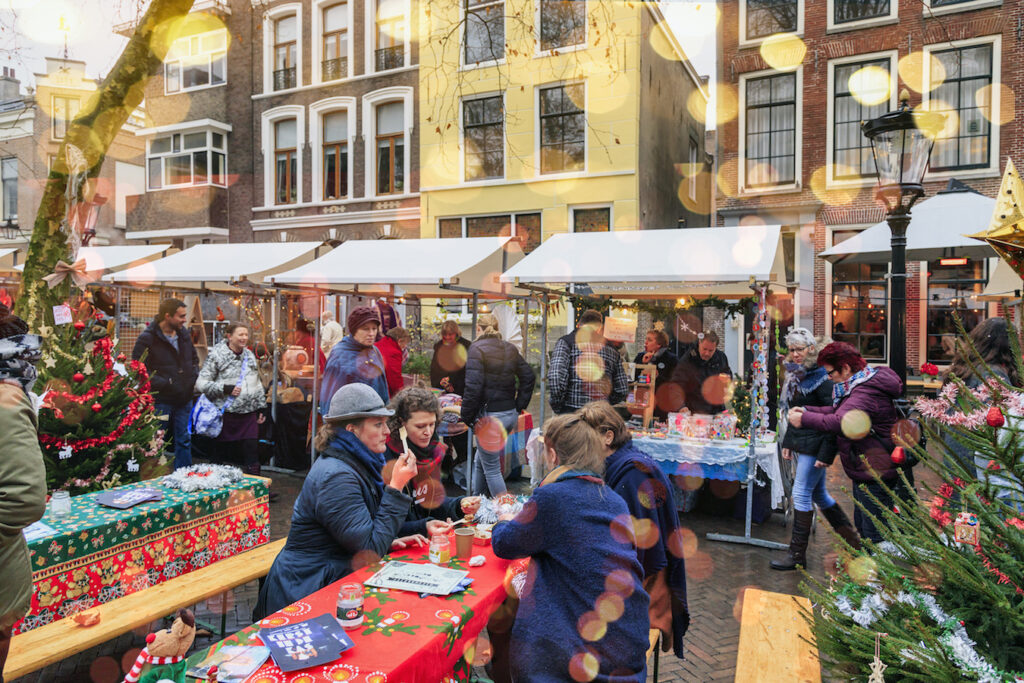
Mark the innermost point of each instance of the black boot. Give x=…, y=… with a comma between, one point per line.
x=841, y=523
x=798, y=543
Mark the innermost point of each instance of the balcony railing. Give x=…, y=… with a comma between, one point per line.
x=284, y=79
x=390, y=57
x=333, y=69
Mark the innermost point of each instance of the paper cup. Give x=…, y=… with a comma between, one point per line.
x=464, y=542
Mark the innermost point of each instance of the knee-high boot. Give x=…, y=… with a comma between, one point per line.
x=798, y=543
x=841, y=523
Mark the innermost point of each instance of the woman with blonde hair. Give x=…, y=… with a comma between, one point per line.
x=499, y=384
x=633, y=475
x=583, y=598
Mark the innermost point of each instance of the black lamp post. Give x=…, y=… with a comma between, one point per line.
x=902, y=141
x=10, y=230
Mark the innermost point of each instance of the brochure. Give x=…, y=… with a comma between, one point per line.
x=126, y=499
x=419, y=578
x=301, y=645
x=234, y=663
x=37, y=530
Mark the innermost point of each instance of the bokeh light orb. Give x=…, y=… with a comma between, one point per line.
x=855, y=425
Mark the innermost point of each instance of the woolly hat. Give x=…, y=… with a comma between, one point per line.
x=359, y=316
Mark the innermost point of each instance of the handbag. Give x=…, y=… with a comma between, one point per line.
x=206, y=418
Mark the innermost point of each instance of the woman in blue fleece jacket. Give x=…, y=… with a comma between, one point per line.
x=583, y=610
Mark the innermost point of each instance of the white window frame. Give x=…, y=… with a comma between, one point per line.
x=993, y=169
x=830, y=131
x=269, y=118
x=462, y=138
x=830, y=231
x=272, y=15
x=317, y=111
x=4, y=212
x=573, y=208
x=890, y=18
x=464, y=22
x=317, y=30
x=209, y=148
x=797, y=183
x=537, y=135
x=209, y=58
x=748, y=42
x=538, y=52
x=67, y=121
x=371, y=100
x=370, y=37
x=928, y=10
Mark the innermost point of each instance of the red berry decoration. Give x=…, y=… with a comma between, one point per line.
x=995, y=417
x=79, y=325
x=121, y=357
x=96, y=407
x=899, y=456
x=78, y=377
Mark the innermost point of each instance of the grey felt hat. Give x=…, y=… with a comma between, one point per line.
x=356, y=400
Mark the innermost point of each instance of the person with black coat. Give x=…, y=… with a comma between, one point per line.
x=448, y=364
x=173, y=366
x=656, y=353
x=807, y=384
x=499, y=384
x=696, y=366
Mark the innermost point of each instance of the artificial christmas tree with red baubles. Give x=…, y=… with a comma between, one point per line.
x=97, y=428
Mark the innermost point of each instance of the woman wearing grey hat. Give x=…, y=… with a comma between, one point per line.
x=350, y=511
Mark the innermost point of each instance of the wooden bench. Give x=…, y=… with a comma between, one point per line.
x=45, y=645
x=771, y=644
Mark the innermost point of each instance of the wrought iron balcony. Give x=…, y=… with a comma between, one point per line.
x=285, y=79
x=333, y=69
x=390, y=57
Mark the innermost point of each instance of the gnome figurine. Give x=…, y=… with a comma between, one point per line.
x=163, y=658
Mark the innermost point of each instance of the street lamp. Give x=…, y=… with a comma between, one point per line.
x=10, y=230
x=902, y=142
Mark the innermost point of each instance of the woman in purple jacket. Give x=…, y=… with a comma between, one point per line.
x=865, y=445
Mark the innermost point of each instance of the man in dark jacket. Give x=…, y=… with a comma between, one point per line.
x=448, y=364
x=699, y=363
x=173, y=366
x=585, y=368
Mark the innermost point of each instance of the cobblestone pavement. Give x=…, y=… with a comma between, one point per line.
x=718, y=573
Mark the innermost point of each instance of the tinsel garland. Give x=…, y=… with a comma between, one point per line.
x=489, y=509
x=203, y=477
x=945, y=410
x=660, y=309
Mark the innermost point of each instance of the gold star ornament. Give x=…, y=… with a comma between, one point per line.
x=1005, y=233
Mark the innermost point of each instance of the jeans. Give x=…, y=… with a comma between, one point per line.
x=861, y=490
x=809, y=485
x=177, y=428
x=487, y=464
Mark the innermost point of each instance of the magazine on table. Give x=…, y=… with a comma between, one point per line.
x=234, y=663
x=418, y=578
x=123, y=500
x=306, y=643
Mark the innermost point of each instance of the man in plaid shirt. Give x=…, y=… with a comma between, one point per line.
x=585, y=368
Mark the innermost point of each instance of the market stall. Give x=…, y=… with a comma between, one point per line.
x=727, y=262
x=97, y=262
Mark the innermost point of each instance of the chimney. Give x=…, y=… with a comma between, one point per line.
x=10, y=87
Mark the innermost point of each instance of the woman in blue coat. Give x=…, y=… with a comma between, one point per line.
x=583, y=610
x=349, y=512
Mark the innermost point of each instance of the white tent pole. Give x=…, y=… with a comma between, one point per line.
x=543, y=358
x=526, y=326
x=316, y=377
x=273, y=339
x=471, y=443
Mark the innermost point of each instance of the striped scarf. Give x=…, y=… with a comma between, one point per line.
x=841, y=390
x=146, y=658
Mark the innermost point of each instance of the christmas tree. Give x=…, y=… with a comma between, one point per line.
x=97, y=428
x=942, y=598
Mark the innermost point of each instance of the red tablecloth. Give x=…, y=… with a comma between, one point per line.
x=404, y=638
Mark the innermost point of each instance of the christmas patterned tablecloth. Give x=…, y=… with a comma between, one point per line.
x=99, y=553
x=404, y=638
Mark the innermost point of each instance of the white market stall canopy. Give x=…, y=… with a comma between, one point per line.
x=433, y=268
x=8, y=261
x=657, y=263
x=220, y=266
x=938, y=229
x=1002, y=284
x=101, y=261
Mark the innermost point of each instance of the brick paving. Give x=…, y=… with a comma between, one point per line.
x=718, y=572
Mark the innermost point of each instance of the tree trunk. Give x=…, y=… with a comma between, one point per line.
x=93, y=131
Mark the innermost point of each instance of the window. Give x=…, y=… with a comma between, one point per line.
x=950, y=290
x=524, y=225
x=765, y=17
x=181, y=159
x=963, y=93
x=65, y=109
x=484, y=138
x=859, y=304
x=944, y=3
x=390, y=148
x=285, y=45
x=770, y=119
x=9, y=173
x=196, y=61
x=598, y=219
x=335, y=169
x=390, y=42
x=335, y=47
x=485, y=31
x=851, y=150
x=563, y=23
x=285, y=166
x=562, y=129
x=848, y=11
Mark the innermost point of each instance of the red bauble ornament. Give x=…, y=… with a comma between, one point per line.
x=899, y=456
x=78, y=377
x=96, y=407
x=995, y=417
x=79, y=325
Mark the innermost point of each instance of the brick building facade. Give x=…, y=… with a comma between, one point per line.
x=790, y=150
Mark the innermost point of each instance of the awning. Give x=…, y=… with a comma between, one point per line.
x=8, y=261
x=220, y=266
x=938, y=229
x=1002, y=284
x=101, y=261
x=657, y=263
x=432, y=268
